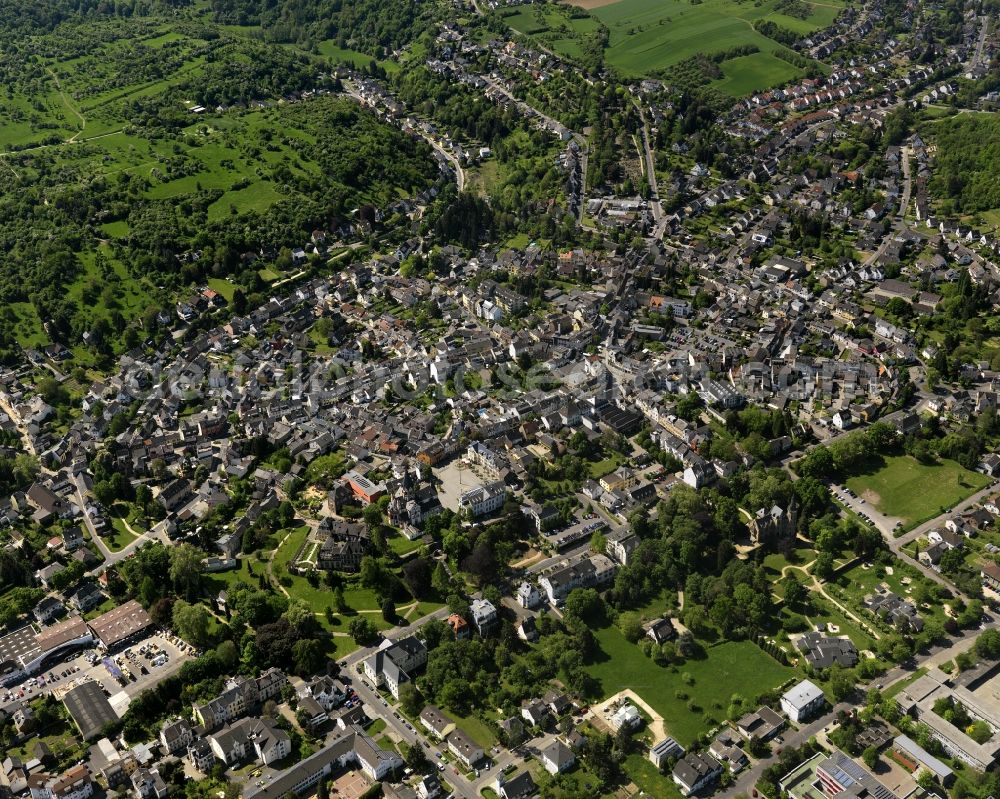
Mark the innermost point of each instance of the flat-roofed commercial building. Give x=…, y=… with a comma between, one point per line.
x=918, y=700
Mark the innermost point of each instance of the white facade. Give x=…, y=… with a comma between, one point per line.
x=802, y=701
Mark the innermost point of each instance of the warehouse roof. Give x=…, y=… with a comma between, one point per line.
x=90, y=709
x=120, y=623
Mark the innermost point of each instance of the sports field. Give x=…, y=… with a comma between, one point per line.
x=902, y=487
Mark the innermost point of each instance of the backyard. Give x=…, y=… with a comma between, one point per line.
x=648, y=778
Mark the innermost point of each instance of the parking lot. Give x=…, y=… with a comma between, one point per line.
x=865, y=511
x=88, y=665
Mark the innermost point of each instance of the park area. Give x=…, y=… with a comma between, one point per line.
x=294, y=547
x=692, y=697
x=904, y=488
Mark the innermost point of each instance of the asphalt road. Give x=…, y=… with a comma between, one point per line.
x=904, y=202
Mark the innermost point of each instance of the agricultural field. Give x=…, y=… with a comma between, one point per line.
x=706, y=685
x=96, y=69
x=220, y=168
x=748, y=73
x=537, y=19
x=648, y=36
x=228, y=166
x=902, y=487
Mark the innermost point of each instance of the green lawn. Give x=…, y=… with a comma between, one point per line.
x=665, y=602
x=104, y=607
x=402, y=545
x=605, y=466
x=901, y=486
x=59, y=741
x=645, y=775
x=896, y=687
x=519, y=241
x=775, y=562
x=117, y=230
x=120, y=537
x=257, y=197
x=729, y=668
x=291, y=543
x=476, y=729
x=423, y=609
x=338, y=647
x=573, y=784
x=534, y=19
x=852, y=586
x=223, y=287
x=248, y=572
x=343, y=55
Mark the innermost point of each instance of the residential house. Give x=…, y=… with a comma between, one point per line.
x=464, y=748
x=695, y=771
x=148, y=784
x=528, y=596
x=436, y=722
x=727, y=749
x=484, y=616
x=661, y=751
x=176, y=735
x=536, y=713
x=556, y=757
x=250, y=738
x=391, y=664
x=660, y=630
x=459, y=626
x=520, y=786
x=821, y=651
x=595, y=571
x=763, y=724
x=48, y=609
x=802, y=701
x=74, y=783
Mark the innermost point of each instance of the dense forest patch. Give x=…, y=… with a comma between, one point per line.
x=967, y=162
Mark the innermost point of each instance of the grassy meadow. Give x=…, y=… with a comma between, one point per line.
x=904, y=488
